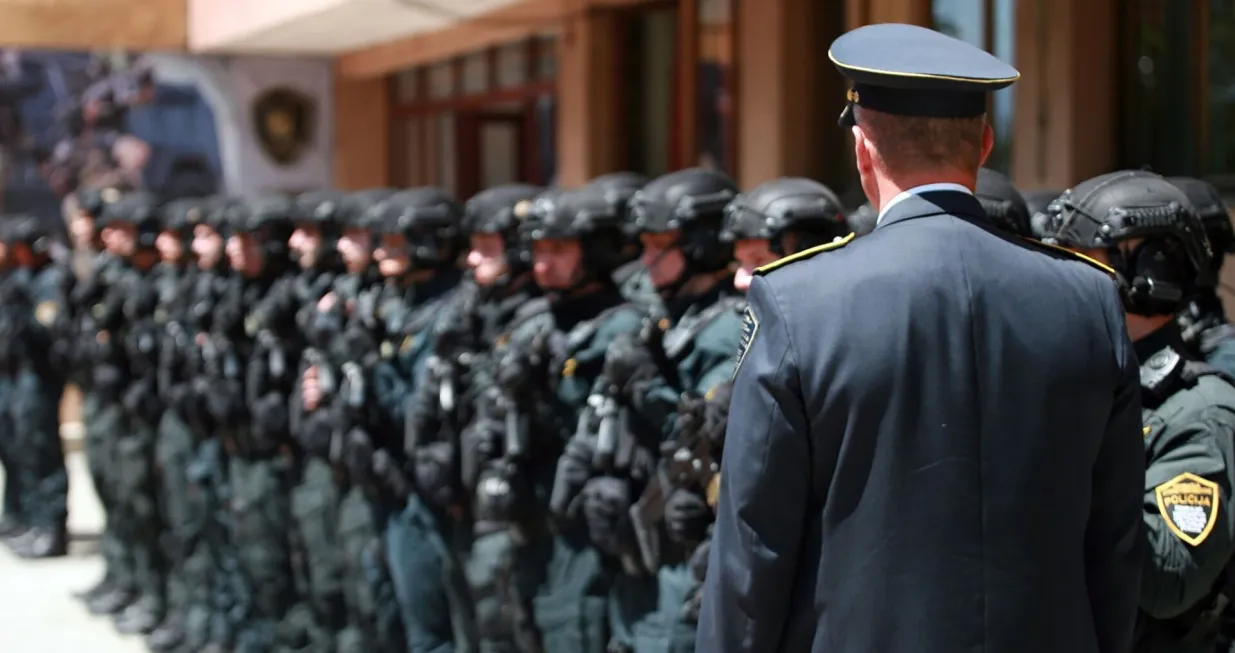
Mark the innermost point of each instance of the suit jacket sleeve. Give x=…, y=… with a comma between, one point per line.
x=765, y=485
x=1112, y=537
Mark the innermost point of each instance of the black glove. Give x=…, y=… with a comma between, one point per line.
x=687, y=517
x=627, y=363
x=606, y=510
x=434, y=473
x=574, y=468
x=482, y=444
x=270, y=415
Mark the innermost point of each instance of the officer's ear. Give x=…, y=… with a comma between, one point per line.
x=988, y=142
x=863, y=153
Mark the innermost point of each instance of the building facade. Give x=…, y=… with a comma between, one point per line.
x=468, y=93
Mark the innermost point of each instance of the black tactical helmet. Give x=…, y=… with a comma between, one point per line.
x=863, y=219
x=585, y=214
x=618, y=188
x=767, y=212
x=218, y=213
x=1214, y=217
x=498, y=210
x=364, y=209
x=28, y=230
x=1003, y=204
x=1172, y=261
x=319, y=207
x=1036, y=201
x=180, y=216
x=692, y=200
x=429, y=219
x=137, y=208
x=90, y=201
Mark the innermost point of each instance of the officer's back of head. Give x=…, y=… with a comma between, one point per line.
x=1145, y=229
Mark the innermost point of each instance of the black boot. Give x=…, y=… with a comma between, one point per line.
x=41, y=543
x=141, y=617
x=110, y=602
x=102, y=587
x=10, y=527
x=167, y=636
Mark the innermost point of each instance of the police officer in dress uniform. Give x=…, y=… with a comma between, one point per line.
x=1148, y=231
x=780, y=218
x=1203, y=321
x=914, y=472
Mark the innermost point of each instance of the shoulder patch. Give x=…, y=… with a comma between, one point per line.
x=750, y=327
x=1189, y=506
x=804, y=254
x=46, y=313
x=1076, y=256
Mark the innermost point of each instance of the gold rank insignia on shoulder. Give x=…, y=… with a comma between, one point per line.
x=387, y=349
x=1145, y=431
x=1189, y=506
x=750, y=327
x=46, y=313
x=568, y=368
x=1077, y=256
x=804, y=254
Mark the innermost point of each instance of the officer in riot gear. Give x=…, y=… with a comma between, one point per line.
x=632, y=277
x=1203, y=322
x=1148, y=232
x=253, y=397
x=173, y=279
x=1036, y=202
x=11, y=520
x=415, y=385
x=32, y=317
x=315, y=494
x=577, y=243
x=343, y=334
x=500, y=261
x=124, y=371
x=778, y=219
x=679, y=217
x=1004, y=205
x=210, y=321
x=101, y=415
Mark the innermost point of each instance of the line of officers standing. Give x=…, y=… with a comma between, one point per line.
x=312, y=431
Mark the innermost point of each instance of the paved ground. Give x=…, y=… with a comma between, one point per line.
x=38, y=613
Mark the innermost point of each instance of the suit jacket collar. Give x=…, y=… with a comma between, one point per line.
x=932, y=203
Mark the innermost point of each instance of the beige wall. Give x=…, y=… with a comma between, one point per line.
x=84, y=24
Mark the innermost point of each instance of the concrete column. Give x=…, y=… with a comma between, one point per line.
x=587, y=126
x=1066, y=123
x=361, y=132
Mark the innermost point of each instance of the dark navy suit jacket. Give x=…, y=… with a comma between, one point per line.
x=934, y=445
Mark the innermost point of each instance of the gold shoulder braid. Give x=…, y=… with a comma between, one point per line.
x=803, y=255
x=1076, y=256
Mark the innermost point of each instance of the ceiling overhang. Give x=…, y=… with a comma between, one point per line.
x=321, y=27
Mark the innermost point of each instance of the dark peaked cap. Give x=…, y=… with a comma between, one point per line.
x=907, y=70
